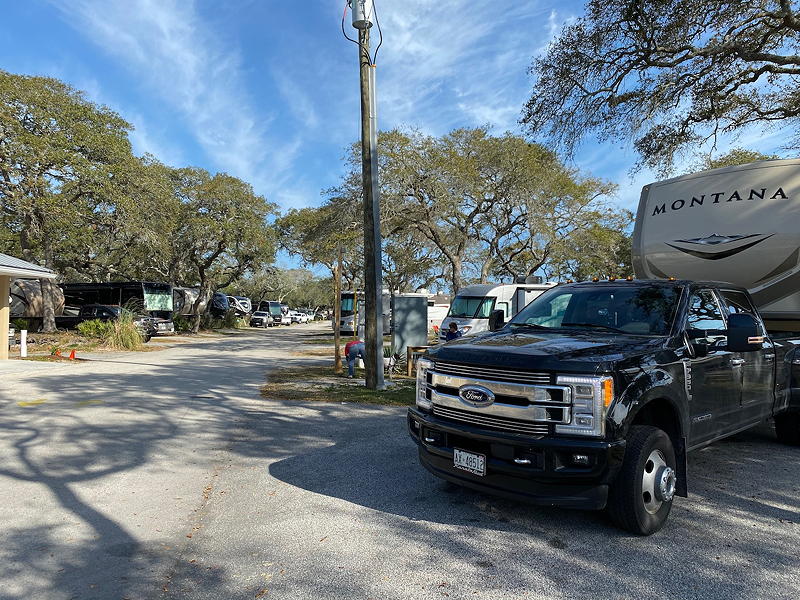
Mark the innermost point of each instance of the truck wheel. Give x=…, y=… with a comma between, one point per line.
x=641, y=497
x=787, y=428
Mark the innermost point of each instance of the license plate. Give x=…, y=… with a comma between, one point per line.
x=469, y=461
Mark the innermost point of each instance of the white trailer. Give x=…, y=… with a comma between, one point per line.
x=737, y=224
x=473, y=304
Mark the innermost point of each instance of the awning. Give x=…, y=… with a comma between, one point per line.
x=21, y=269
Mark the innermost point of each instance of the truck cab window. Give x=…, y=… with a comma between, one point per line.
x=738, y=302
x=705, y=319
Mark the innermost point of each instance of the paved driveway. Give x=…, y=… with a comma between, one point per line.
x=164, y=475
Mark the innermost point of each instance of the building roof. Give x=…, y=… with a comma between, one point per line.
x=16, y=267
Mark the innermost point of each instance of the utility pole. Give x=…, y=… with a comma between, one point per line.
x=363, y=14
x=337, y=313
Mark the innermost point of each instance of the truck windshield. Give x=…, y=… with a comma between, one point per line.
x=471, y=307
x=637, y=310
x=274, y=309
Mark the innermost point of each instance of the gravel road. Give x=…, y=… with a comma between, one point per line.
x=164, y=475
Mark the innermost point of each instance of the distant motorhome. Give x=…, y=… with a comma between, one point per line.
x=153, y=298
x=474, y=304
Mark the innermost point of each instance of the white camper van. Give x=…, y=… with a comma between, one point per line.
x=737, y=224
x=473, y=304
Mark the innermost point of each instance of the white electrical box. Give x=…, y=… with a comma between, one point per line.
x=363, y=13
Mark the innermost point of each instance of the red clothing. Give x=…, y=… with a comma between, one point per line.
x=350, y=345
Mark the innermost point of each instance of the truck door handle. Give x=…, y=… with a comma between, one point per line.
x=737, y=362
x=522, y=461
x=769, y=357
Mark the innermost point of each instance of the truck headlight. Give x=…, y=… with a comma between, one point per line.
x=423, y=365
x=591, y=397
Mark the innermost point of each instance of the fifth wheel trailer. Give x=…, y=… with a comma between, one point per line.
x=738, y=224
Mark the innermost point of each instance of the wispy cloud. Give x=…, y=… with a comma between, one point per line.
x=166, y=46
x=458, y=63
x=298, y=101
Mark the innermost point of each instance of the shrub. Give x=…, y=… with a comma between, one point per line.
x=124, y=333
x=19, y=324
x=96, y=329
x=121, y=334
x=230, y=320
x=182, y=323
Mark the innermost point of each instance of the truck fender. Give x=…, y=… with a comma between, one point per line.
x=650, y=399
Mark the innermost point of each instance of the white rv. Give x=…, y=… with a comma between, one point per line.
x=352, y=303
x=473, y=304
x=737, y=224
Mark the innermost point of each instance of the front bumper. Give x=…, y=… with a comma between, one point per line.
x=165, y=327
x=550, y=479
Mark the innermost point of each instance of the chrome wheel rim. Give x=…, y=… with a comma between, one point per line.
x=658, y=482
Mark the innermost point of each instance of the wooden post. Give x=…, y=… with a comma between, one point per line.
x=373, y=332
x=5, y=314
x=337, y=313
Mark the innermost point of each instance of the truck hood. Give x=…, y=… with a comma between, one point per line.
x=575, y=351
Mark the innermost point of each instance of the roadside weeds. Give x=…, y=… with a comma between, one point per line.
x=321, y=384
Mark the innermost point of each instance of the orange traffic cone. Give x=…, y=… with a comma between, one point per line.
x=72, y=355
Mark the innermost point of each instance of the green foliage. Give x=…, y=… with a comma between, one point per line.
x=230, y=320
x=667, y=74
x=736, y=156
x=19, y=324
x=181, y=323
x=470, y=206
x=120, y=334
x=96, y=329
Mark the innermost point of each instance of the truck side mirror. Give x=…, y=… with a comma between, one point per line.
x=743, y=333
x=496, y=320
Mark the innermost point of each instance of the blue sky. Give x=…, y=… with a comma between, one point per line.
x=267, y=90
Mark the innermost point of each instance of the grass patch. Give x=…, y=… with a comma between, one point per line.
x=49, y=358
x=321, y=384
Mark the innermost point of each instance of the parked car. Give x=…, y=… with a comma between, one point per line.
x=261, y=318
x=298, y=317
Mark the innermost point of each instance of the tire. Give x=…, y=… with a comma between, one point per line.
x=636, y=501
x=787, y=428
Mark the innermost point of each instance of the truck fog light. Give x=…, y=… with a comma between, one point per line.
x=584, y=420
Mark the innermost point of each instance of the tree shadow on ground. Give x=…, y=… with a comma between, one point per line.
x=198, y=410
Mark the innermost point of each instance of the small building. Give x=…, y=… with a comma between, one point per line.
x=14, y=268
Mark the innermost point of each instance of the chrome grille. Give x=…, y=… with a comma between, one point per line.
x=499, y=423
x=491, y=373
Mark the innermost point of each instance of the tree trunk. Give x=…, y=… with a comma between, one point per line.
x=456, y=268
x=485, y=268
x=48, y=300
x=203, y=298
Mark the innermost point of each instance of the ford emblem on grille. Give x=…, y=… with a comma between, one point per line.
x=476, y=395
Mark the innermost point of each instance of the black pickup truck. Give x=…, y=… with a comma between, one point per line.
x=593, y=395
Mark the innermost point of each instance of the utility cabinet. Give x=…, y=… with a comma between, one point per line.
x=410, y=315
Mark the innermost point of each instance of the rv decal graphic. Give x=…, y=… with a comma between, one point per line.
x=717, y=198
x=715, y=246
